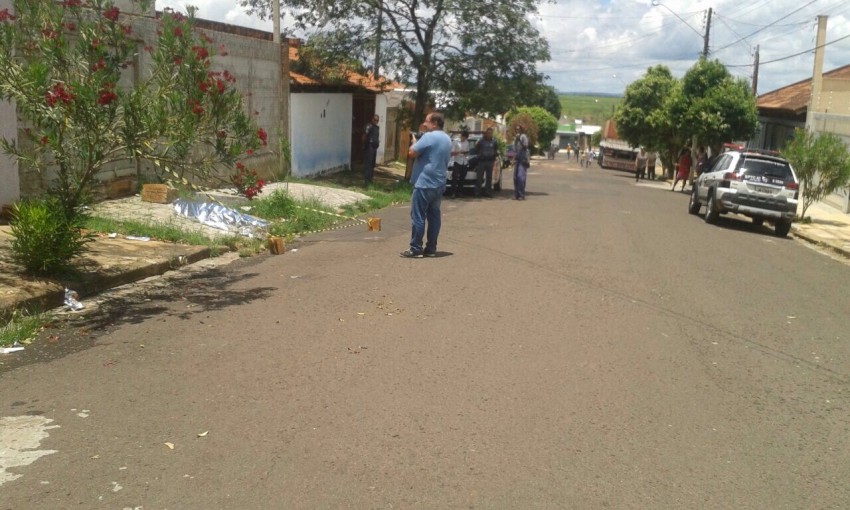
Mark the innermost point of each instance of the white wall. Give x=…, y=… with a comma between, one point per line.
x=10, y=188
x=320, y=132
x=381, y=111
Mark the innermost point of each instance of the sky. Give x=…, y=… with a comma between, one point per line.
x=599, y=46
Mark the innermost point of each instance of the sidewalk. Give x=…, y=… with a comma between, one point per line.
x=112, y=262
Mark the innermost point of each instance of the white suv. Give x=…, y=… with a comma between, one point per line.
x=755, y=184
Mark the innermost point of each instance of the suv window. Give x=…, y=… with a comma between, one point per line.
x=722, y=164
x=766, y=170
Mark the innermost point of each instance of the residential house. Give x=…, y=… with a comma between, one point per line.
x=783, y=110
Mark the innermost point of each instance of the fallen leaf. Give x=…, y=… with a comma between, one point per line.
x=204, y=434
x=791, y=317
x=95, y=456
x=170, y=446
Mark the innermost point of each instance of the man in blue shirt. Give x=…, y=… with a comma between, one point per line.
x=431, y=152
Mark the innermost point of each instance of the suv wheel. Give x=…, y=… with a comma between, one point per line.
x=693, y=204
x=711, y=213
x=782, y=227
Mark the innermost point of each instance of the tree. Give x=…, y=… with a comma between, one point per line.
x=546, y=97
x=482, y=57
x=662, y=113
x=545, y=125
x=645, y=119
x=717, y=107
x=529, y=127
x=821, y=162
x=66, y=66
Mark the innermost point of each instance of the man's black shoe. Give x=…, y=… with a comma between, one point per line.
x=411, y=254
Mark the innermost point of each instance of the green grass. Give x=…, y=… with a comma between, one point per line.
x=594, y=110
x=160, y=232
x=22, y=327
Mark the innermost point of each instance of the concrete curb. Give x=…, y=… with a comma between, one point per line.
x=798, y=232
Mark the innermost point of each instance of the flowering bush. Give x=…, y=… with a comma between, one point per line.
x=247, y=182
x=65, y=66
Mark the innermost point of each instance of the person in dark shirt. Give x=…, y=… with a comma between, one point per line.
x=371, y=141
x=486, y=150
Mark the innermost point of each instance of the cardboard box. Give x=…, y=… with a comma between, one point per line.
x=276, y=245
x=373, y=224
x=158, y=193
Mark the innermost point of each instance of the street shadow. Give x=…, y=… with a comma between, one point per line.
x=744, y=224
x=184, y=296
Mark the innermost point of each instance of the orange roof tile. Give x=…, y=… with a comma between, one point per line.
x=794, y=98
x=368, y=82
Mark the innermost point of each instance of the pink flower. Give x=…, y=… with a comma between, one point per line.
x=107, y=96
x=4, y=15
x=200, y=52
x=111, y=14
x=58, y=93
x=263, y=136
x=178, y=32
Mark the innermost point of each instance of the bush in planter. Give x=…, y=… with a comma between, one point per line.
x=44, y=239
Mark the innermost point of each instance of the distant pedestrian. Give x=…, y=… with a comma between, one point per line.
x=431, y=153
x=640, y=164
x=702, y=160
x=522, y=161
x=371, y=141
x=650, y=165
x=487, y=151
x=683, y=168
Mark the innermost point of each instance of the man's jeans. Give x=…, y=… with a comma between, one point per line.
x=519, y=180
x=425, y=206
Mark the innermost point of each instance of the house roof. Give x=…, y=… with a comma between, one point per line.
x=794, y=98
x=366, y=81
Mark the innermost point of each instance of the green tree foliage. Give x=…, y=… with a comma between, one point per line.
x=821, y=162
x=545, y=125
x=481, y=56
x=546, y=97
x=644, y=117
x=717, y=108
x=68, y=68
x=662, y=113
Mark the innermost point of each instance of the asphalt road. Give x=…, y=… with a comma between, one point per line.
x=593, y=346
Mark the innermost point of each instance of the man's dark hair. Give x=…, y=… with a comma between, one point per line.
x=437, y=119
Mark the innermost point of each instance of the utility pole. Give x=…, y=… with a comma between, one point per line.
x=707, y=32
x=756, y=74
x=376, y=71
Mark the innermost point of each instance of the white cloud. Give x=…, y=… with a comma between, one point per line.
x=601, y=45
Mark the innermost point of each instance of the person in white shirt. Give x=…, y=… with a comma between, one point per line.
x=460, y=164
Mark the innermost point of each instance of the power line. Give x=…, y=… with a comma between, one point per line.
x=766, y=26
x=792, y=56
